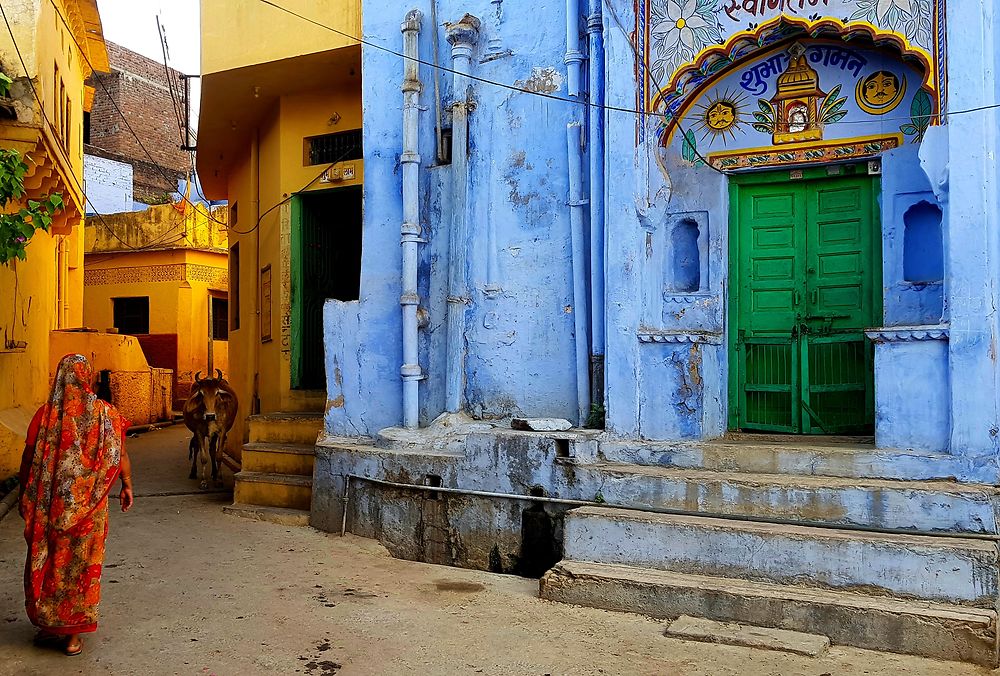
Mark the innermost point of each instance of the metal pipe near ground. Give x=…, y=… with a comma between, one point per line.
x=410, y=231
x=991, y=537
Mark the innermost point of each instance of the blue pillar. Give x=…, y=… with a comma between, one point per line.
x=971, y=266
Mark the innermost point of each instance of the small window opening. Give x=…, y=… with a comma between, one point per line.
x=434, y=481
x=687, y=258
x=132, y=316
x=86, y=127
x=446, y=143
x=562, y=448
x=234, y=288
x=234, y=214
x=220, y=319
x=923, y=249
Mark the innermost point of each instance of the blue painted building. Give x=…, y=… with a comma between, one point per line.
x=695, y=225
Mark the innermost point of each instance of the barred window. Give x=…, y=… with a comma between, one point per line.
x=332, y=148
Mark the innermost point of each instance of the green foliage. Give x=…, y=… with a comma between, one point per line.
x=595, y=421
x=18, y=227
x=766, y=117
x=5, y=84
x=920, y=116
x=833, y=107
x=690, y=150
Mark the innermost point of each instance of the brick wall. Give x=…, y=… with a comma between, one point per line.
x=139, y=88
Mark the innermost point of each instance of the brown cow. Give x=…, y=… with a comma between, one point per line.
x=209, y=413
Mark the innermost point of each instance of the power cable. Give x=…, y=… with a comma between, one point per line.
x=41, y=109
x=169, y=79
x=555, y=97
x=256, y=225
x=114, y=104
x=648, y=70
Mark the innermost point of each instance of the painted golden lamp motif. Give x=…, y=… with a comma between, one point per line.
x=797, y=101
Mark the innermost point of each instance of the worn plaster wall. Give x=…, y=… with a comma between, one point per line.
x=519, y=322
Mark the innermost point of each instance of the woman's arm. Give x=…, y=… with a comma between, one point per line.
x=126, y=496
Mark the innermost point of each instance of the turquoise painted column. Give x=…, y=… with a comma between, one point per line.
x=973, y=222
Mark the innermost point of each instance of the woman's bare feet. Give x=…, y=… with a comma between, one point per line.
x=74, y=645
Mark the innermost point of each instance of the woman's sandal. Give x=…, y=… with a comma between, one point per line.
x=73, y=652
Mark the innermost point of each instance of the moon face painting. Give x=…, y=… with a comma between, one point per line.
x=880, y=92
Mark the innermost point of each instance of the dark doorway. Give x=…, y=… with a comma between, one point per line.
x=326, y=264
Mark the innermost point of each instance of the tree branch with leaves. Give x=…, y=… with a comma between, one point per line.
x=19, y=225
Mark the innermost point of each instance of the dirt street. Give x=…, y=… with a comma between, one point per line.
x=190, y=590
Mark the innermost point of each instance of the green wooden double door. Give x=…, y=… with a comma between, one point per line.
x=805, y=266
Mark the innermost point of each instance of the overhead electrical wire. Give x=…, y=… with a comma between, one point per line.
x=555, y=97
x=121, y=114
x=76, y=181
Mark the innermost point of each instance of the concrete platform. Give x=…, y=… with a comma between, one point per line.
x=747, y=635
x=917, y=505
x=286, y=428
x=874, y=622
x=949, y=570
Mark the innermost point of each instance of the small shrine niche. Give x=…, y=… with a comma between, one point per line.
x=797, y=101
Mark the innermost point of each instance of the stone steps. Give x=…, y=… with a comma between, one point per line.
x=799, y=457
x=262, y=489
x=878, y=503
x=286, y=428
x=275, y=483
x=939, y=631
x=277, y=458
x=279, y=515
x=959, y=571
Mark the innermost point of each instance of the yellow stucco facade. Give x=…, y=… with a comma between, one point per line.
x=175, y=257
x=270, y=83
x=58, y=43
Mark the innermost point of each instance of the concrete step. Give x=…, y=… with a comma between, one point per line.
x=286, y=428
x=880, y=503
x=278, y=515
x=276, y=458
x=803, y=456
x=262, y=489
x=948, y=570
x=939, y=631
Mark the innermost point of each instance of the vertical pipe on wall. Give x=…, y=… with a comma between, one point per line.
x=462, y=36
x=595, y=30
x=410, y=231
x=577, y=205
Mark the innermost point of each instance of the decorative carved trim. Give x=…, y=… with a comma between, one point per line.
x=699, y=337
x=687, y=298
x=177, y=272
x=907, y=334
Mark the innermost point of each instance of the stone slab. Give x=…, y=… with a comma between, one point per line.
x=939, y=569
x=541, y=424
x=749, y=636
x=278, y=515
x=940, y=631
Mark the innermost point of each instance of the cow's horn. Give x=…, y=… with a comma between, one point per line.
x=197, y=377
x=219, y=371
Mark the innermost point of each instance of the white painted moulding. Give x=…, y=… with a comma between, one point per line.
x=704, y=337
x=907, y=334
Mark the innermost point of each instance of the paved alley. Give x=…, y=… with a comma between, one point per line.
x=190, y=590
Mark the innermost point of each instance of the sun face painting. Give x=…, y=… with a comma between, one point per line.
x=720, y=116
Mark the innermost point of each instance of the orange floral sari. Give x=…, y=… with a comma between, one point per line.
x=75, y=442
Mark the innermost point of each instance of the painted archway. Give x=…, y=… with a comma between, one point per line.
x=686, y=45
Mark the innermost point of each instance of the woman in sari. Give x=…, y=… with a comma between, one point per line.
x=74, y=453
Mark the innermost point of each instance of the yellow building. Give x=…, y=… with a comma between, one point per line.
x=162, y=275
x=57, y=42
x=280, y=139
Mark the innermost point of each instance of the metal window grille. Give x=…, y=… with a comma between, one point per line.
x=331, y=148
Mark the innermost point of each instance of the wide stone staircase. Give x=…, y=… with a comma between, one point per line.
x=806, y=538
x=275, y=482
